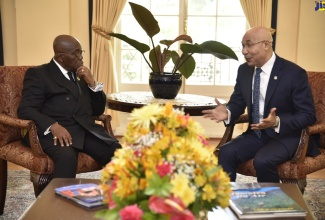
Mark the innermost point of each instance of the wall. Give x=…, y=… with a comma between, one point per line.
x=30, y=26
x=300, y=31
x=9, y=31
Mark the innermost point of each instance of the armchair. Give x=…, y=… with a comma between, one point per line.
x=11, y=149
x=296, y=170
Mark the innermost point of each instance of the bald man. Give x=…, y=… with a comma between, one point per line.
x=62, y=97
x=283, y=107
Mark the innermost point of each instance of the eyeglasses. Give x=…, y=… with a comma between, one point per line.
x=77, y=53
x=250, y=45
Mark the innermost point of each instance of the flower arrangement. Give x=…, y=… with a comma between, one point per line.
x=165, y=170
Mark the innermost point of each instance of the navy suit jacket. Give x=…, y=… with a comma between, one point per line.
x=289, y=91
x=49, y=97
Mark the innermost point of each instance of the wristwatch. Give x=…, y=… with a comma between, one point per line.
x=277, y=120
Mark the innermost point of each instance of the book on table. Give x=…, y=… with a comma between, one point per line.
x=88, y=195
x=264, y=202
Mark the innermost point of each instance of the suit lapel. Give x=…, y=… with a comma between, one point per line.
x=59, y=78
x=275, y=78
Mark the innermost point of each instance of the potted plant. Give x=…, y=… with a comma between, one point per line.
x=184, y=63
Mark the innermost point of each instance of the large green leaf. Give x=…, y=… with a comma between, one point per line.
x=136, y=44
x=183, y=37
x=155, y=59
x=210, y=47
x=184, y=64
x=145, y=19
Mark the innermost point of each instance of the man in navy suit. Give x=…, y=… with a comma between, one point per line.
x=63, y=108
x=284, y=106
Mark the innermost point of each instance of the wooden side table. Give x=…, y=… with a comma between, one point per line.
x=192, y=104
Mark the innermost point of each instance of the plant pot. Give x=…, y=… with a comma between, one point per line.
x=166, y=85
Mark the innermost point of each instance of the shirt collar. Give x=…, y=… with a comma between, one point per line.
x=267, y=67
x=64, y=71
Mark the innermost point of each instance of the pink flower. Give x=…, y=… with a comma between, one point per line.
x=203, y=140
x=164, y=169
x=171, y=206
x=131, y=212
x=111, y=203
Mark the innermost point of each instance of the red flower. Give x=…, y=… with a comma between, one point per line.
x=131, y=212
x=171, y=206
x=138, y=153
x=164, y=169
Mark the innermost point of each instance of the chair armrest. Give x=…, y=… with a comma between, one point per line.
x=242, y=119
x=106, y=120
x=316, y=129
x=227, y=136
x=14, y=122
x=301, y=152
x=30, y=126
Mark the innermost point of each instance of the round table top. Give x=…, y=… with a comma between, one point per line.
x=192, y=104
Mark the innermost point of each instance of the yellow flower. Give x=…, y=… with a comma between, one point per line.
x=208, y=193
x=182, y=190
x=200, y=180
x=142, y=117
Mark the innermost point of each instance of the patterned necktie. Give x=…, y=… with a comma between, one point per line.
x=71, y=77
x=256, y=100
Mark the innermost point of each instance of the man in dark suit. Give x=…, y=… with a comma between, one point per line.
x=63, y=108
x=279, y=103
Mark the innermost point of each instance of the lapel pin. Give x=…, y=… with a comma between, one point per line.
x=275, y=78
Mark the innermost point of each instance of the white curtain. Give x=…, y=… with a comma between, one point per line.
x=105, y=17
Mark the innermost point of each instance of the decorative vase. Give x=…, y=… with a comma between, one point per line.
x=166, y=85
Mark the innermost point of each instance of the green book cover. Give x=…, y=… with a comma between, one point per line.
x=264, y=202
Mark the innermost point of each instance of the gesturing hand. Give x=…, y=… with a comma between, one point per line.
x=61, y=134
x=218, y=114
x=268, y=122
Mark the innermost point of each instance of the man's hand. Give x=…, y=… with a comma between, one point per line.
x=268, y=122
x=85, y=74
x=218, y=114
x=61, y=134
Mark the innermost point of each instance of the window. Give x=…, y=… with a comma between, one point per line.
x=221, y=20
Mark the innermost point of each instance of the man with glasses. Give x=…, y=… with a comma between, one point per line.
x=63, y=108
x=279, y=103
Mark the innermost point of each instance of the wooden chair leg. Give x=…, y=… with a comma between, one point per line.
x=40, y=181
x=301, y=183
x=3, y=184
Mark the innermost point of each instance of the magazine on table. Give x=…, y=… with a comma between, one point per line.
x=88, y=195
x=264, y=202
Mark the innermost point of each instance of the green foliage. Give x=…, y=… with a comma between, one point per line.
x=159, y=186
x=184, y=63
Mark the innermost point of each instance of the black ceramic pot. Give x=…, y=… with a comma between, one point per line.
x=165, y=86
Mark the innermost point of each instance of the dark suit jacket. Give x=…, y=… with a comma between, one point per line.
x=288, y=90
x=49, y=97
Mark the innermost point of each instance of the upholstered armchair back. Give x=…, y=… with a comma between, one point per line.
x=317, y=82
x=11, y=85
